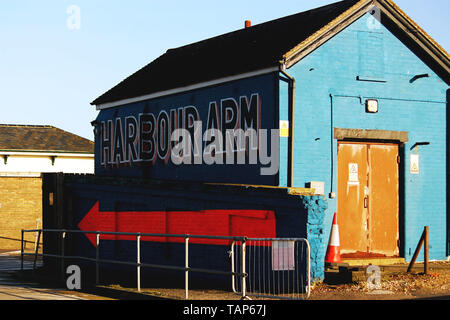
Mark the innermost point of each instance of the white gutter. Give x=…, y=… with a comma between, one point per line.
x=187, y=88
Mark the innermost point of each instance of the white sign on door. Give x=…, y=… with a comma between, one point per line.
x=353, y=171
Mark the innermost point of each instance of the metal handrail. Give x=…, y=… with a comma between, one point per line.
x=138, y=264
x=168, y=235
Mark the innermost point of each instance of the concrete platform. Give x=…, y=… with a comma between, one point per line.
x=355, y=269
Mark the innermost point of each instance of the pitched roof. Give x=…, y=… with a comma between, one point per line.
x=245, y=50
x=32, y=138
x=250, y=49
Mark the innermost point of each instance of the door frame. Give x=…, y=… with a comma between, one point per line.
x=382, y=137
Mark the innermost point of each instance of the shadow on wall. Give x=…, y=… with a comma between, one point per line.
x=15, y=244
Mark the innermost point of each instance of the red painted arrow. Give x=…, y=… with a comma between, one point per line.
x=249, y=223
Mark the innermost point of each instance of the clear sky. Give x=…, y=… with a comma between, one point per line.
x=50, y=70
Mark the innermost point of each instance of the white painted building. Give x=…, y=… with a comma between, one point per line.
x=31, y=150
x=16, y=163
x=26, y=152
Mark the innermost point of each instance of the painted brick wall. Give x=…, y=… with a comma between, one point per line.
x=418, y=107
x=20, y=206
x=296, y=217
x=315, y=208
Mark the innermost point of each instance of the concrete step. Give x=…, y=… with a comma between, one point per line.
x=355, y=270
x=344, y=276
x=373, y=261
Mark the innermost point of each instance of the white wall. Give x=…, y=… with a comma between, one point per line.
x=29, y=163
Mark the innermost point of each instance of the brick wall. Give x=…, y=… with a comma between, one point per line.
x=20, y=206
x=315, y=208
x=295, y=217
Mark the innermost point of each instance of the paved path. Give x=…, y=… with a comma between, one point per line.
x=11, y=262
x=13, y=289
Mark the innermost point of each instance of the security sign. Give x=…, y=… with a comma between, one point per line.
x=414, y=164
x=353, y=173
x=284, y=128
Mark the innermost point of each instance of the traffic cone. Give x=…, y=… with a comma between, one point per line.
x=333, y=251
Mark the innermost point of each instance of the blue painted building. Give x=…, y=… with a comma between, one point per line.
x=356, y=100
x=333, y=84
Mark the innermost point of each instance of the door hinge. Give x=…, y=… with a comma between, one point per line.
x=399, y=159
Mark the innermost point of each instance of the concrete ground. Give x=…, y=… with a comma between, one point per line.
x=395, y=284
x=14, y=288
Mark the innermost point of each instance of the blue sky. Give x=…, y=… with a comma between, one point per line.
x=50, y=73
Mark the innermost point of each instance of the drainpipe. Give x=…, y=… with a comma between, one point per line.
x=291, y=82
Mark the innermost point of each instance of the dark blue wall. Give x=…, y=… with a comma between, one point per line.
x=296, y=217
x=264, y=86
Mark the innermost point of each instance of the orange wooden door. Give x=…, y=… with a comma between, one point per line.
x=368, y=199
x=384, y=200
x=352, y=185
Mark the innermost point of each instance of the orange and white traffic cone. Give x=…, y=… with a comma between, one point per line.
x=333, y=251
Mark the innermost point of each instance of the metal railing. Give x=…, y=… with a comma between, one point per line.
x=138, y=264
x=276, y=268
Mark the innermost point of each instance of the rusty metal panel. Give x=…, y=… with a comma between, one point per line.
x=351, y=205
x=384, y=200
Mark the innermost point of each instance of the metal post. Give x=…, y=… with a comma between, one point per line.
x=232, y=266
x=63, y=236
x=416, y=253
x=21, y=252
x=138, y=245
x=309, y=268
x=426, y=250
x=244, y=293
x=36, y=250
x=36, y=240
x=97, y=257
x=186, y=265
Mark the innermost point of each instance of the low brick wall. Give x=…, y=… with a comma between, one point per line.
x=118, y=200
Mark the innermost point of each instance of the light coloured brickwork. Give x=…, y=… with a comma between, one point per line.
x=20, y=207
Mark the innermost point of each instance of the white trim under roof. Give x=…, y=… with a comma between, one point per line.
x=20, y=174
x=46, y=154
x=187, y=88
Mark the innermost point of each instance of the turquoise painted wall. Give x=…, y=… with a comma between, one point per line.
x=418, y=107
